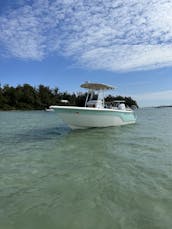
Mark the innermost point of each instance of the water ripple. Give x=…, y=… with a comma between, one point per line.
x=52, y=177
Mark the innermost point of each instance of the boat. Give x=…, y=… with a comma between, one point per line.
x=49, y=110
x=96, y=112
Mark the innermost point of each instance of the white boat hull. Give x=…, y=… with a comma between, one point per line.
x=82, y=117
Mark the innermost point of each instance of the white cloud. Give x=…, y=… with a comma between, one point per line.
x=104, y=34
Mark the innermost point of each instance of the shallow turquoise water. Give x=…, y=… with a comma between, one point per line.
x=52, y=177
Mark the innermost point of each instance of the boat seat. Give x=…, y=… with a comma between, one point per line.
x=95, y=103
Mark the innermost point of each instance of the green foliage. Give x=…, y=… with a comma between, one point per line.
x=26, y=97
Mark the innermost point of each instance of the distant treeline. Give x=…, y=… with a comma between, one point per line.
x=26, y=97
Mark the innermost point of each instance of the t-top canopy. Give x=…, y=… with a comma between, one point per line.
x=96, y=86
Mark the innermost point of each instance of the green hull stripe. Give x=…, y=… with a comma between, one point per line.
x=125, y=116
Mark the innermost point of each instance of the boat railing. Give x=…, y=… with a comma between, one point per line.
x=117, y=106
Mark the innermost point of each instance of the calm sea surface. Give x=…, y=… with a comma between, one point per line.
x=104, y=178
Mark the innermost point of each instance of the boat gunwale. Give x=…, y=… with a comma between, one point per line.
x=90, y=109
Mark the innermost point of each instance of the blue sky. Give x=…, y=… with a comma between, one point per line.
x=66, y=42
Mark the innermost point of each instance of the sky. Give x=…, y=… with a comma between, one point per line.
x=125, y=43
